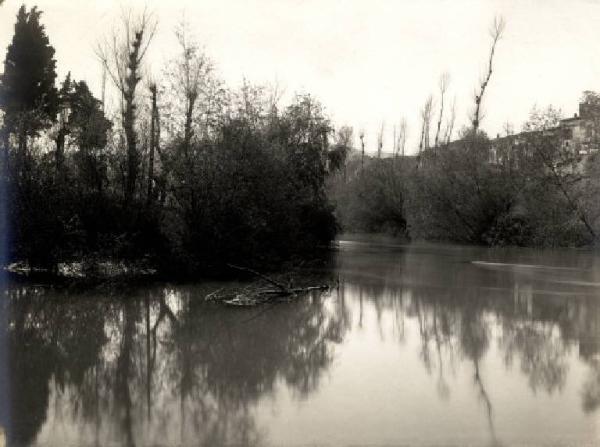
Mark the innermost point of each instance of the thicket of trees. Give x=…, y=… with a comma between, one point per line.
x=370, y=198
x=188, y=174
x=531, y=189
x=527, y=190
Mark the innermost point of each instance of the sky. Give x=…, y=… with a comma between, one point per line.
x=367, y=61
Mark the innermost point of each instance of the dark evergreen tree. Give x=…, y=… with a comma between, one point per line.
x=88, y=128
x=86, y=123
x=27, y=92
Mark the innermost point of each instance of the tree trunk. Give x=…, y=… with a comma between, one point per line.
x=152, y=145
x=130, y=86
x=188, y=132
x=132, y=156
x=60, y=149
x=5, y=153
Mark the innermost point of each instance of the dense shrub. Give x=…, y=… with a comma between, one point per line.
x=371, y=197
x=543, y=195
x=187, y=176
x=256, y=192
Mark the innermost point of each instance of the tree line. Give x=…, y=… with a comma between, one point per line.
x=525, y=189
x=186, y=174
x=529, y=189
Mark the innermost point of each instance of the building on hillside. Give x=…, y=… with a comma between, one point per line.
x=579, y=134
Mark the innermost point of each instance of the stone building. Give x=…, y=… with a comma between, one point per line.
x=579, y=134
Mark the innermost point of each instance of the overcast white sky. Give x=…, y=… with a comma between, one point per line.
x=366, y=60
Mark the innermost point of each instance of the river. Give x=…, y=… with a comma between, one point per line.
x=421, y=345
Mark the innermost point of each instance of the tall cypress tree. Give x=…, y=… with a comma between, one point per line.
x=27, y=92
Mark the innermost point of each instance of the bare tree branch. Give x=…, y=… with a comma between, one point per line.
x=425, y=124
x=122, y=55
x=443, y=85
x=496, y=33
x=380, y=139
x=450, y=123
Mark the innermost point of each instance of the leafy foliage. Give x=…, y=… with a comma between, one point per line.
x=234, y=177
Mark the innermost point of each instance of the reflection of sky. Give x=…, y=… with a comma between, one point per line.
x=421, y=347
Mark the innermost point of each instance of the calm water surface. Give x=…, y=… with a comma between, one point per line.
x=420, y=345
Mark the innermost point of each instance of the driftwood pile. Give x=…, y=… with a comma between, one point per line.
x=254, y=294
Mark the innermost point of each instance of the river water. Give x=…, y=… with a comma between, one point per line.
x=420, y=345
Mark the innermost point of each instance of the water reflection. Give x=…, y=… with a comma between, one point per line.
x=158, y=366
x=460, y=308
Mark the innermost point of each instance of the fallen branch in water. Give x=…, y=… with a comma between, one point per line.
x=294, y=290
x=253, y=294
x=260, y=275
x=213, y=295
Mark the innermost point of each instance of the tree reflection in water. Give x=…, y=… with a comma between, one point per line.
x=159, y=366
x=456, y=306
x=128, y=369
x=591, y=388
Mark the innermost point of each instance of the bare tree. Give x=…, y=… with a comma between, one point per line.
x=403, y=135
x=361, y=135
x=344, y=143
x=122, y=55
x=193, y=68
x=399, y=142
x=275, y=92
x=154, y=123
x=443, y=86
x=425, y=124
x=103, y=88
x=192, y=92
x=496, y=33
x=450, y=123
x=400, y=134
x=345, y=136
x=380, y=139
